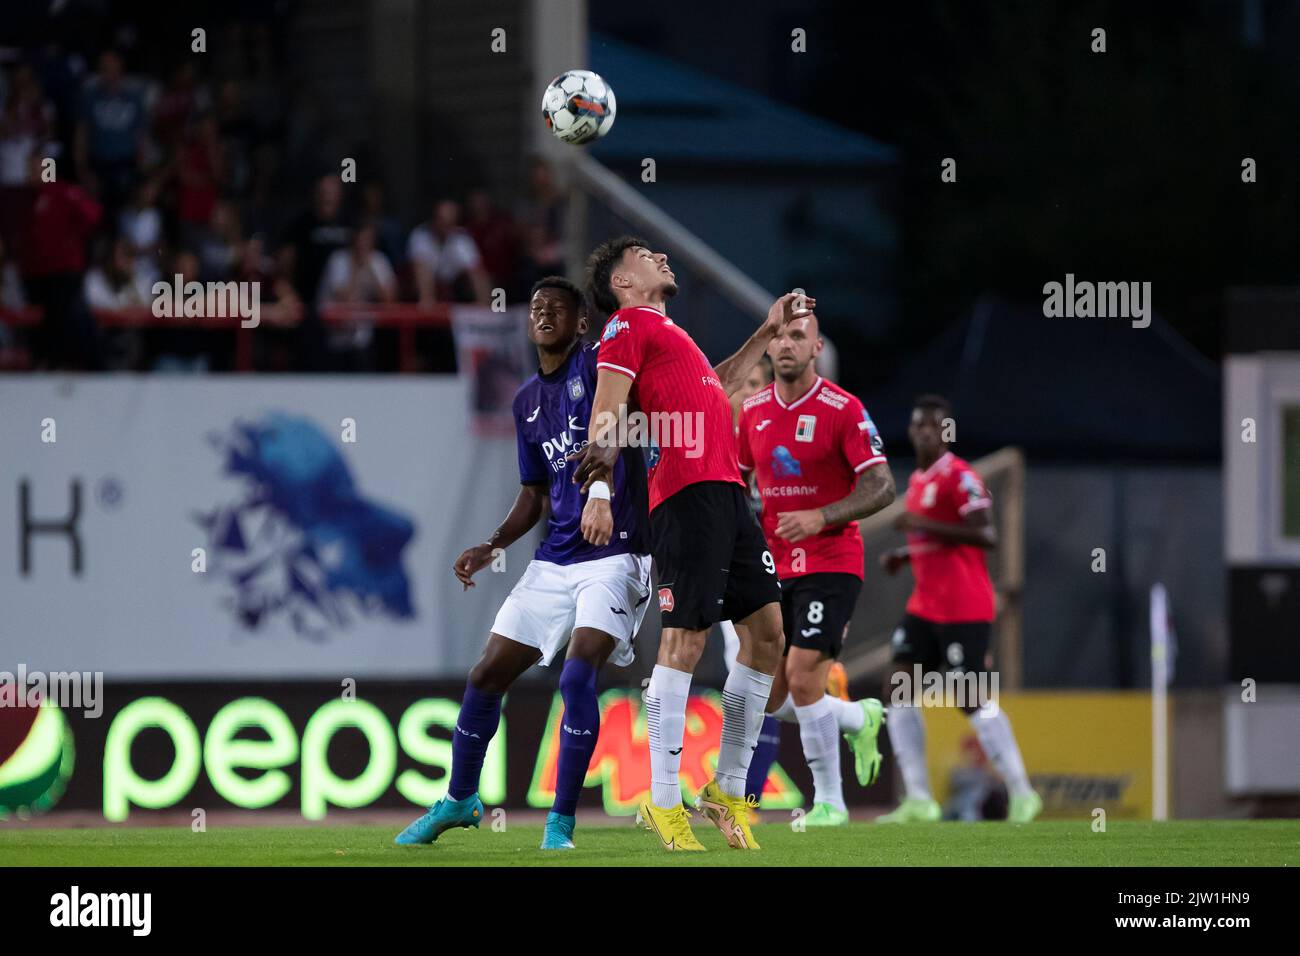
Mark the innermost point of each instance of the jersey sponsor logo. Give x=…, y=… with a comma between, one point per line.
x=763, y=424
x=790, y=491
x=666, y=600
x=710, y=380
x=758, y=398
x=803, y=431
x=833, y=399
x=784, y=464
x=533, y=416
x=576, y=391
x=613, y=327
x=555, y=449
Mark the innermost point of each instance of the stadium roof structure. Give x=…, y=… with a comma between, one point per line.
x=1069, y=389
x=676, y=113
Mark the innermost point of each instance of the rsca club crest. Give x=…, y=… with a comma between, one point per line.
x=576, y=391
x=300, y=542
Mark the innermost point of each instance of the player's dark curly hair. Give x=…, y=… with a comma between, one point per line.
x=559, y=282
x=934, y=403
x=600, y=266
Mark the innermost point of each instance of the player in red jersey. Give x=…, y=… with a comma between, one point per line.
x=820, y=466
x=708, y=549
x=949, y=527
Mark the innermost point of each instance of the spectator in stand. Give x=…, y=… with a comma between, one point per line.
x=11, y=298
x=62, y=219
x=494, y=233
x=182, y=349
x=111, y=130
x=141, y=224
x=181, y=102
x=278, y=344
x=11, y=283
x=280, y=303
x=220, y=246
x=26, y=125
x=357, y=275
x=388, y=231
x=239, y=134
x=446, y=263
x=542, y=224
x=117, y=282
x=314, y=236
x=200, y=168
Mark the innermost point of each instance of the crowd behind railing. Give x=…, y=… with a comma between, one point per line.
x=112, y=180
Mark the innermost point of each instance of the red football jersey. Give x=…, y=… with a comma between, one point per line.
x=952, y=580
x=805, y=455
x=676, y=387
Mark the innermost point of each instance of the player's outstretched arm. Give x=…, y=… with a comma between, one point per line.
x=527, y=510
x=733, y=371
x=976, y=528
x=874, y=490
x=596, y=461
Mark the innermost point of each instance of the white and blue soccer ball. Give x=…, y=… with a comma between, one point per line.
x=578, y=107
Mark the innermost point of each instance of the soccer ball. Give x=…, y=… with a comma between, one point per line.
x=578, y=107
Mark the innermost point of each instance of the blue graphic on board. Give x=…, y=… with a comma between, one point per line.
x=300, y=540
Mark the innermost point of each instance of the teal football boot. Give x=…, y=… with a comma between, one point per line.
x=441, y=817
x=559, y=832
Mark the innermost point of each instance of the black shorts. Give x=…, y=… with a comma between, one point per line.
x=710, y=558
x=817, y=608
x=938, y=647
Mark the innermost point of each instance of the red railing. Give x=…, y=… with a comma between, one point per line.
x=405, y=317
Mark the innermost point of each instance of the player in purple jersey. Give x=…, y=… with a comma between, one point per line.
x=592, y=597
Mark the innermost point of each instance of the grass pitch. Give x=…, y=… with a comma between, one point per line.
x=1050, y=843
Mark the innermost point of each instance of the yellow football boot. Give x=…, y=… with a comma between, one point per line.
x=728, y=814
x=673, y=827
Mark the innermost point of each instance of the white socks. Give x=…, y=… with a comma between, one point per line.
x=848, y=715
x=907, y=735
x=730, y=644
x=786, y=710
x=999, y=743
x=665, y=709
x=744, y=698
x=819, y=733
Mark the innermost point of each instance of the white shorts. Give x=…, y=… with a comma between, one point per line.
x=551, y=600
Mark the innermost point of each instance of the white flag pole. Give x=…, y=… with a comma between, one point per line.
x=1160, y=661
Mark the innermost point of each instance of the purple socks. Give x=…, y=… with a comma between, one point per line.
x=769, y=740
x=579, y=728
x=480, y=715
